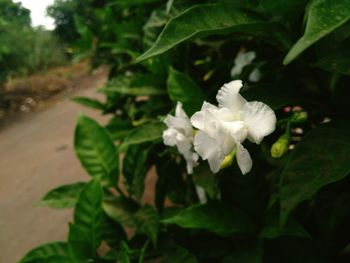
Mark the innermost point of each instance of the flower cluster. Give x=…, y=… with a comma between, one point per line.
x=220, y=129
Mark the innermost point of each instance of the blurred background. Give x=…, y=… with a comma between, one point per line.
x=44, y=60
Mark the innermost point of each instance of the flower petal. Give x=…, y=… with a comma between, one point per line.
x=169, y=137
x=204, y=145
x=259, y=119
x=179, y=112
x=243, y=59
x=228, y=96
x=244, y=161
x=198, y=118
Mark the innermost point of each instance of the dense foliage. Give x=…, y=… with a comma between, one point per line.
x=293, y=206
x=24, y=49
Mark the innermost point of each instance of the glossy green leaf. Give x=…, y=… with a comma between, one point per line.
x=150, y=132
x=138, y=85
x=85, y=233
x=56, y=252
x=147, y=222
x=119, y=128
x=63, y=196
x=321, y=158
x=215, y=217
x=135, y=169
x=199, y=20
x=182, y=88
x=121, y=210
x=95, y=150
x=88, y=102
x=112, y=232
x=272, y=228
x=323, y=17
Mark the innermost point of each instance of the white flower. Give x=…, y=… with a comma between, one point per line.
x=224, y=128
x=242, y=60
x=180, y=134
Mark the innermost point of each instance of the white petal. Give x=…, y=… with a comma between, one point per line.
x=179, y=112
x=228, y=96
x=236, y=129
x=191, y=161
x=259, y=119
x=204, y=145
x=169, y=137
x=255, y=75
x=201, y=194
x=243, y=59
x=215, y=161
x=198, y=118
x=244, y=161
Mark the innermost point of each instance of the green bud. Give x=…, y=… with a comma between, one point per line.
x=227, y=162
x=299, y=117
x=280, y=146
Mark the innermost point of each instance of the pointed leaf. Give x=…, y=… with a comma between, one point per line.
x=88, y=102
x=95, y=150
x=323, y=17
x=198, y=20
x=85, y=233
x=147, y=222
x=144, y=133
x=63, y=196
x=135, y=169
x=182, y=88
x=321, y=158
x=215, y=217
x=56, y=252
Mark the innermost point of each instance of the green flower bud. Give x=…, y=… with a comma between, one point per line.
x=227, y=162
x=299, y=117
x=280, y=146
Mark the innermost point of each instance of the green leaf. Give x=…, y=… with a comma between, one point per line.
x=174, y=253
x=199, y=20
x=112, y=232
x=135, y=169
x=324, y=16
x=85, y=233
x=55, y=252
x=119, y=128
x=182, y=88
x=91, y=103
x=215, y=217
x=63, y=196
x=123, y=255
x=336, y=61
x=121, y=210
x=145, y=133
x=273, y=230
x=95, y=150
x=206, y=179
x=138, y=85
x=147, y=222
x=321, y=158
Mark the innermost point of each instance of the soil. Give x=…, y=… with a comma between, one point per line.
x=36, y=155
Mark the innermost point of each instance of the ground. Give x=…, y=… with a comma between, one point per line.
x=37, y=155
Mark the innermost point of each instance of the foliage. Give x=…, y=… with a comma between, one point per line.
x=293, y=206
x=25, y=49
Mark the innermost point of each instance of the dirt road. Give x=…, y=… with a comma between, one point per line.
x=36, y=155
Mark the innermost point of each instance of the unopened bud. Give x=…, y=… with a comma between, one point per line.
x=299, y=117
x=227, y=162
x=280, y=146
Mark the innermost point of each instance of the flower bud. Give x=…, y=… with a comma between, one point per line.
x=299, y=117
x=227, y=162
x=280, y=146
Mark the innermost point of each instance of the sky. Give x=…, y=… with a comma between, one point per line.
x=38, y=12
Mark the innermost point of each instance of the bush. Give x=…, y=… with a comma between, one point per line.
x=291, y=204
